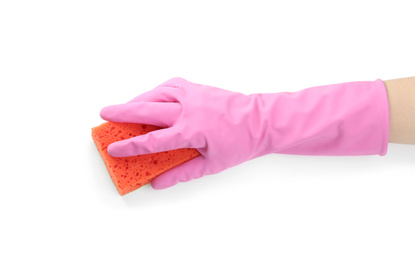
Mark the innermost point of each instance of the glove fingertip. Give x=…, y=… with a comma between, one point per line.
x=103, y=113
x=163, y=181
x=107, y=113
x=159, y=185
x=116, y=150
x=187, y=171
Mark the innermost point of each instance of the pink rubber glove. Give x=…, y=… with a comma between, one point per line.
x=229, y=128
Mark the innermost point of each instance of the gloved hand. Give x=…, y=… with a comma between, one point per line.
x=229, y=128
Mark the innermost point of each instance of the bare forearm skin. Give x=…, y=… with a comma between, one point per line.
x=401, y=96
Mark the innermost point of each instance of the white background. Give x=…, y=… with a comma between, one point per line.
x=62, y=61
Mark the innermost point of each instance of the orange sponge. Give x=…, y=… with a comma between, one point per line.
x=130, y=173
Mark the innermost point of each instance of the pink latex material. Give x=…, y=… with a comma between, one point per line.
x=229, y=128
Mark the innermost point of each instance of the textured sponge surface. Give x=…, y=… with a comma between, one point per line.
x=131, y=173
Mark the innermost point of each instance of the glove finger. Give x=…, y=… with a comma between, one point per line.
x=193, y=169
x=153, y=113
x=153, y=142
x=158, y=94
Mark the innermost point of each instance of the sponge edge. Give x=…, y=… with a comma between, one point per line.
x=131, y=173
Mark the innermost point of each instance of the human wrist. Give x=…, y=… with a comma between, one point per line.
x=401, y=96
